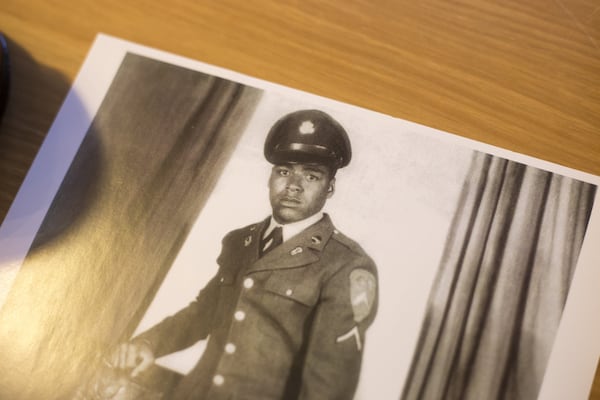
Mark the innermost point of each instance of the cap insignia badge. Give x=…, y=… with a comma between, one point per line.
x=307, y=128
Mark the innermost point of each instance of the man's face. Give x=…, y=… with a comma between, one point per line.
x=297, y=191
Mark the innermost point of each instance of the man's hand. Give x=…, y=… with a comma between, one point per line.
x=137, y=356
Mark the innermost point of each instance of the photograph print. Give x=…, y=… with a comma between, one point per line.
x=213, y=239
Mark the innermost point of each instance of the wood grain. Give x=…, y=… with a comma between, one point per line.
x=520, y=75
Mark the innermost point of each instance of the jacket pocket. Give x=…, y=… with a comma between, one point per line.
x=289, y=285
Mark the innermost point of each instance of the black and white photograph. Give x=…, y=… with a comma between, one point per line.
x=214, y=236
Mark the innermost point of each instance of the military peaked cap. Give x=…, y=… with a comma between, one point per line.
x=308, y=136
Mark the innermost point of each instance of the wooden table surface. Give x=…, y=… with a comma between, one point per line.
x=523, y=75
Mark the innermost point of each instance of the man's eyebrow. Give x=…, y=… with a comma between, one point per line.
x=316, y=168
x=321, y=169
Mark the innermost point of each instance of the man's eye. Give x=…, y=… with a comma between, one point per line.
x=284, y=172
x=312, y=178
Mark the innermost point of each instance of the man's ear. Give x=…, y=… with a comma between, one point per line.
x=331, y=188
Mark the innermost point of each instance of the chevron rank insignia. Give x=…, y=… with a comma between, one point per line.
x=362, y=293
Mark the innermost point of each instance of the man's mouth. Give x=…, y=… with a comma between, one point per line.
x=288, y=201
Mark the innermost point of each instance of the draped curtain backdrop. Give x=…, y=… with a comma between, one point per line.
x=502, y=284
x=149, y=161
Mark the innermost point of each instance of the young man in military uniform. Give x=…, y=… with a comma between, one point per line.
x=289, y=306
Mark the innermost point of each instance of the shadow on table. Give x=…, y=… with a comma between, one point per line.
x=36, y=93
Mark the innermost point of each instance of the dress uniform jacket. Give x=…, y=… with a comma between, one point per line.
x=288, y=325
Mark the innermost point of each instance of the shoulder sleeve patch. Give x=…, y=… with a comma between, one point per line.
x=363, y=286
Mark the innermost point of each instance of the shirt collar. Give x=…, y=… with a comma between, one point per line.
x=293, y=228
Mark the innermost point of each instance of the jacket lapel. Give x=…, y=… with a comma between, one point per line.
x=300, y=250
x=242, y=251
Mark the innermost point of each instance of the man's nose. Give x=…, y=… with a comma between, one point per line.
x=294, y=183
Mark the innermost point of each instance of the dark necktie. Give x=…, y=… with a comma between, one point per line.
x=272, y=240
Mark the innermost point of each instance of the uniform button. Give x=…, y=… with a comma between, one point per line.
x=288, y=292
x=239, y=315
x=248, y=283
x=230, y=348
x=218, y=380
